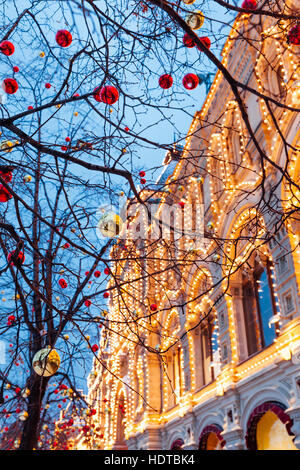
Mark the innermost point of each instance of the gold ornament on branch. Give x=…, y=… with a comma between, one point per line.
x=46, y=362
x=195, y=20
x=110, y=224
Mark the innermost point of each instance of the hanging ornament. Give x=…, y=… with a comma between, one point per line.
x=27, y=178
x=249, y=4
x=46, y=362
x=153, y=307
x=205, y=41
x=6, y=175
x=106, y=295
x=63, y=284
x=7, y=146
x=190, y=81
x=25, y=393
x=106, y=271
x=97, y=273
x=48, y=85
x=7, y=48
x=23, y=416
x=63, y=38
x=188, y=41
x=142, y=181
x=110, y=224
x=188, y=2
x=10, y=86
x=16, y=69
x=94, y=348
x=294, y=35
x=87, y=303
x=216, y=257
x=165, y=81
x=16, y=260
x=195, y=20
x=142, y=174
x=107, y=94
x=210, y=225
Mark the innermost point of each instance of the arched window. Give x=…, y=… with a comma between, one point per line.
x=211, y=438
x=269, y=428
x=259, y=307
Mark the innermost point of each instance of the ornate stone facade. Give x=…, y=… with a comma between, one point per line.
x=192, y=357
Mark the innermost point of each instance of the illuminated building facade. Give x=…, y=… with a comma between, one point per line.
x=220, y=321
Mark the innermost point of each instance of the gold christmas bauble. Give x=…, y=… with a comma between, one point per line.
x=110, y=224
x=188, y=2
x=46, y=362
x=23, y=416
x=195, y=20
x=27, y=178
x=7, y=145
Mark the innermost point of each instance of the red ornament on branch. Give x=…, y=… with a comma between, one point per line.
x=6, y=175
x=16, y=69
x=205, y=41
x=95, y=348
x=249, y=4
x=63, y=38
x=63, y=284
x=109, y=94
x=106, y=295
x=153, y=307
x=143, y=181
x=97, y=273
x=14, y=259
x=188, y=41
x=106, y=271
x=7, y=48
x=142, y=174
x=165, y=81
x=10, y=86
x=294, y=35
x=87, y=303
x=190, y=81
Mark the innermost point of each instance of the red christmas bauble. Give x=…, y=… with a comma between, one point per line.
x=48, y=85
x=63, y=38
x=95, y=348
x=18, y=261
x=153, y=307
x=106, y=271
x=87, y=303
x=16, y=69
x=106, y=295
x=188, y=41
x=96, y=94
x=205, y=41
x=109, y=94
x=97, y=273
x=190, y=81
x=7, y=48
x=142, y=174
x=7, y=176
x=294, y=35
x=63, y=284
x=10, y=86
x=165, y=81
x=249, y=4
x=143, y=181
